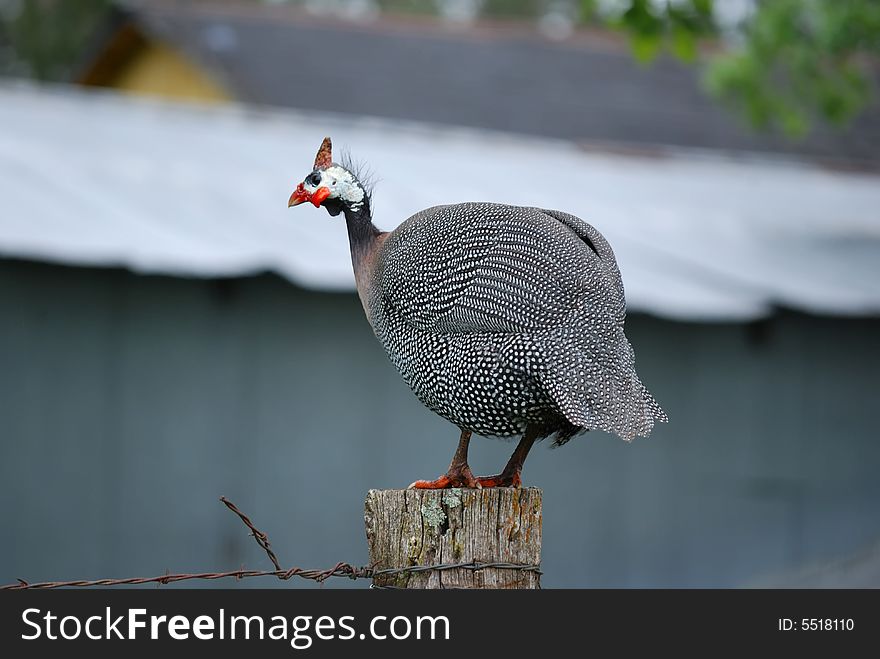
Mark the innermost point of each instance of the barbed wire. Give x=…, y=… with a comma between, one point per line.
x=338, y=570
x=261, y=538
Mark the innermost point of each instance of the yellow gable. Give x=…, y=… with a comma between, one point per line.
x=158, y=70
x=139, y=65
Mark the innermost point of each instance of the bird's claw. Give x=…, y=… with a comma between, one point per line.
x=462, y=478
x=501, y=480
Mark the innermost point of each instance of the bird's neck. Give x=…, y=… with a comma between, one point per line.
x=364, y=239
x=362, y=233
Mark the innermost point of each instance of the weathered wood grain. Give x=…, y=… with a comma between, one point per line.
x=432, y=527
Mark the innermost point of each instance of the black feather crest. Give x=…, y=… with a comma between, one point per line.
x=362, y=172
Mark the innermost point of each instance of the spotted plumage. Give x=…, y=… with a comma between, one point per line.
x=505, y=320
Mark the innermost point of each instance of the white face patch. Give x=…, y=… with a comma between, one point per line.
x=341, y=183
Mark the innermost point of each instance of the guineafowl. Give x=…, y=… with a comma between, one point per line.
x=505, y=320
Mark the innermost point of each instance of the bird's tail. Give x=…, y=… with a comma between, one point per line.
x=600, y=390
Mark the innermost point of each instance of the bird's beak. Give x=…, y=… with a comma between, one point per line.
x=301, y=194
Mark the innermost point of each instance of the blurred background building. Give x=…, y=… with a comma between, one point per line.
x=170, y=332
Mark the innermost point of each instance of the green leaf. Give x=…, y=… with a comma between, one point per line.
x=794, y=123
x=645, y=47
x=684, y=44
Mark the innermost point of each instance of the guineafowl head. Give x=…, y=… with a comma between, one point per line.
x=331, y=185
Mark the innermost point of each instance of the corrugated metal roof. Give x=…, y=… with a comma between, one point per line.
x=587, y=88
x=98, y=179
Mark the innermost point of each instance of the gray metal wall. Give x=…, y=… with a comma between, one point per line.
x=129, y=404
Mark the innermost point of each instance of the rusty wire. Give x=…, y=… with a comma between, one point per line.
x=338, y=570
x=261, y=538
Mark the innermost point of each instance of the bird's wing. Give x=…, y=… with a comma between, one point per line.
x=475, y=268
x=596, y=241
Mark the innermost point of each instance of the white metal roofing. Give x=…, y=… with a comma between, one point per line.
x=92, y=178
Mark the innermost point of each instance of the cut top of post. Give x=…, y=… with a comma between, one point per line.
x=455, y=538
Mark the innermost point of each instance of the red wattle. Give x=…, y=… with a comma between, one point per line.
x=319, y=195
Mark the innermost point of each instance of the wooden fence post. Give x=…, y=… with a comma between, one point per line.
x=407, y=528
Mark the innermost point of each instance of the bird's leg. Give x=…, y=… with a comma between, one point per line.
x=459, y=474
x=510, y=477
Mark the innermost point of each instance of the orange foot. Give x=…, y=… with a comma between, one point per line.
x=462, y=477
x=501, y=480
